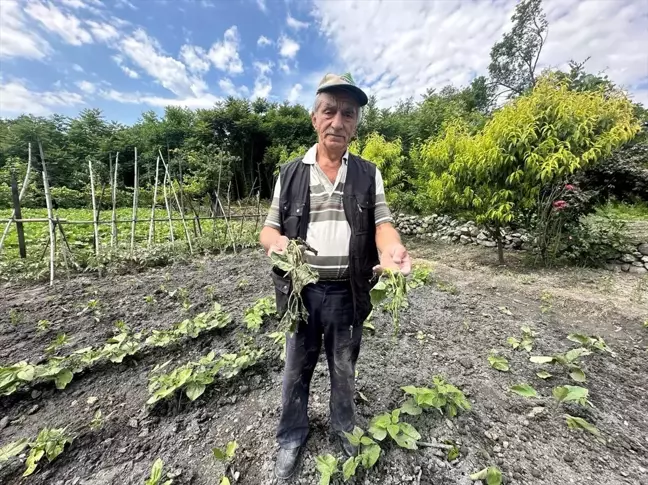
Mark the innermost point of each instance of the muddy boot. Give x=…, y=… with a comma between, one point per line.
x=286, y=463
x=347, y=448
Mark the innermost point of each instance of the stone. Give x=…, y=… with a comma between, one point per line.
x=489, y=244
x=637, y=270
x=644, y=259
x=643, y=248
x=4, y=422
x=464, y=239
x=637, y=263
x=474, y=231
x=35, y=394
x=612, y=267
x=625, y=267
x=464, y=231
x=627, y=258
x=33, y=409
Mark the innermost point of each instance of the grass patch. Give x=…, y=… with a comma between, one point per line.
x=637, y=211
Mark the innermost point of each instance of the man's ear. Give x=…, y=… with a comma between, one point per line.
x=313, y=115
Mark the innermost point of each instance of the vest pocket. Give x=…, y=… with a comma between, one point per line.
x=292, y=216
x=283, y=286
x=364, y=213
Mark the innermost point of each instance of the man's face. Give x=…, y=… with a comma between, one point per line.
x=336, y=119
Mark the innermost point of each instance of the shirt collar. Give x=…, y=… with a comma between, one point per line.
x=311, y=156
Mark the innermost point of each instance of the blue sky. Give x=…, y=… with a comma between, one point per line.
x=127, y=56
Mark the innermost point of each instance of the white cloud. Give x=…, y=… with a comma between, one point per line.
x=228, y=87
x=172, y=74
x=17, y=99
x=17, y=39
x=194, y=102
x=127, y=70
x=125, y=4
x=287, y=47
x=86, y=86
x=264, y=68
x=295, y=93
x=430, y=44
x=195, y=58
x=293, y=23
x=262, y=5
x=263, y=41
x=77, y=68
x=102, y=31
x=224, y=55
x=283, y=65
x=67, y=26
x=82, y=3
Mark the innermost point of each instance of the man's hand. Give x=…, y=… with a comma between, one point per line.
x=395, y=257
x=279, y=246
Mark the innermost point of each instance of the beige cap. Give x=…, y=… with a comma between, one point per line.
x=345, y=81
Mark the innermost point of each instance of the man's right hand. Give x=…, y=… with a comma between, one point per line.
x=279, y=246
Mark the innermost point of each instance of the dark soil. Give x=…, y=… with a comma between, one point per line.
x=449, y=330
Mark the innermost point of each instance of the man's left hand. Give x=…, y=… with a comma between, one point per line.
x=396, y=258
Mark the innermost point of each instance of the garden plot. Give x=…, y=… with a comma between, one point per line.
x=456, y=326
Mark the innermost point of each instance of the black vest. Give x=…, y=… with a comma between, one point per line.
x=359, y=199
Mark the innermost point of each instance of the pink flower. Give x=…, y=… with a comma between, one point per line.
x=569, y=187
x=559, y=204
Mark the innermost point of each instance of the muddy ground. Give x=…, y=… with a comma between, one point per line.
x=451, y=326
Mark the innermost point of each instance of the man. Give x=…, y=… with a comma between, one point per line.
x=335, y=201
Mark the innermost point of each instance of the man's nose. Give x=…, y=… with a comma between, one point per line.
x=337, y=123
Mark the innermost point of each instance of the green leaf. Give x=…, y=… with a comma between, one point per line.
x=410, y=431
x=194, y=390
x=574, y=354
x=327, y=465
x=63, y=378
x=570, y=393
x=219, y=454
x=541, y=359
x=579, y=338
x=543, y=374
x=513, y=342
x=231, y=449
x=577, y=374
x=370, y=455
x=453, y=453
x=405, y=442
x=225, y=481
x=410, y=407
x=349, y=467
x=574, y=422
x=354, y=440
x=366, y=441
x=393, y=430
x=524, y=390
x=378, y=433
x=492, y=475
x=12, y=449
x=156, y=472
x=378, y=293
x=32, y=461
x=498, y=363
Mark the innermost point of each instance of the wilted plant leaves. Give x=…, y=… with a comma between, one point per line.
x=498, y=363
x=574, y=422
x=524, y=390
x=13, y=449
x=541, y=359
x=543, y=374
x=571, y=393
x=577, y=374
x=492, y=475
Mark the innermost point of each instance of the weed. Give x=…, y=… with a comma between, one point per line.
x=420, y=276
x=443, y=397
x=15, y=317
x=43, y=325
x=60, y=341
x=263, y=307
x=242, y=284
x=97, y=421
x=210, y=292
x=227, y=453
x=447, y=287
x=156, y=474
x=546, y=299
x=569, y=360
x=93, y=306
x=150, y=300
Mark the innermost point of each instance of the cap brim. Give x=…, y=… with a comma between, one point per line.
x=354, y=91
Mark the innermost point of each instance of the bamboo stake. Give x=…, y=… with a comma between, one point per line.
x=166, y=203
x=50, y=215
x=95, y=212
x=175, y=195
x=151, y=233
x=23, y=190
x=113, y=235
x=135, y=201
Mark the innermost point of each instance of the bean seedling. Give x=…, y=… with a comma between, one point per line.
x=404, y=434
x=327, y=465
x=443, y=397
x=526, y=343
x=262, y=308
x=156, y=474
x=497, y=362
x=569, y=360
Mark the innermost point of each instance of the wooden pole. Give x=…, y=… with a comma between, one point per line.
x=182, y=216
x=166, y=203
x=135, y=197
x=18, y=215
x=113, y=235
x=23, y=190
x=151, y=233
x=50, y=215
x=95, y=212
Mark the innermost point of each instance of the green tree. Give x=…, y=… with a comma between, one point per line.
x=536, y=141
x=515, y=57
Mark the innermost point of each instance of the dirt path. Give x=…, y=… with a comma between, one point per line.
x=449, y=330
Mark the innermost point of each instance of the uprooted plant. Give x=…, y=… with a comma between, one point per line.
x=443, y=397
x=263, y=307
x=291, y=262
x=391, y=292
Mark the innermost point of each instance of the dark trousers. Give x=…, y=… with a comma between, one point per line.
x=330, y=310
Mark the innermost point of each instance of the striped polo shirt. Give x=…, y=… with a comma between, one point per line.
x=328, y=230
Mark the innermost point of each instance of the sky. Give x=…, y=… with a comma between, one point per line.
x=129, y=56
